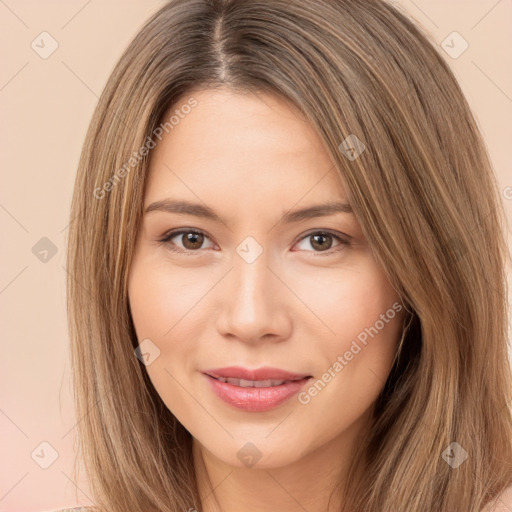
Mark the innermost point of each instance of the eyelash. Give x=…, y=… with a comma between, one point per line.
x=168, y=236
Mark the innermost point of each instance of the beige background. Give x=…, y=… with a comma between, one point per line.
x=46, y=106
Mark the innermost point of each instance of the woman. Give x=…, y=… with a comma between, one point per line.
x=287, y=270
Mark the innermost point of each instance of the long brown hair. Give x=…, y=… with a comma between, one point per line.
x=423, y=191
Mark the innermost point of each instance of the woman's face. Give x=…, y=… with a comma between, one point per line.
x=253, y=276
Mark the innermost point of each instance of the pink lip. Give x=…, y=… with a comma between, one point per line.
x=251, y=398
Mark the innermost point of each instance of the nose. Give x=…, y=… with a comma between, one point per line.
x=254, y=303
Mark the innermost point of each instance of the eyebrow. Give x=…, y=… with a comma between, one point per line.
x=203, y=211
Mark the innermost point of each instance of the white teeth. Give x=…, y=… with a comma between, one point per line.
x=252, y=383
x=266, y=383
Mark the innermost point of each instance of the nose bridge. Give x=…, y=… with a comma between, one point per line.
x=250, y=308
x=251, y=287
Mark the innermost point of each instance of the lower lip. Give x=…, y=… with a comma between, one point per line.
x=255, y=399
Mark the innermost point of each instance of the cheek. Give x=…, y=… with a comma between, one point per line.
x=159, y=305
x=167, y=307
x=349, y=300
x=365, y=316
x=361, y=319
x=161, y=300
x=149, y=299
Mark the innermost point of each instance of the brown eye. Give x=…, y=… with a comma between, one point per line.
x=192, y=240
x=323, y=241
x=186, y=240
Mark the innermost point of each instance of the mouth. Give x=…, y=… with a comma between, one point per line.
x=262, y=374
x=268, y=383
x=256, y=395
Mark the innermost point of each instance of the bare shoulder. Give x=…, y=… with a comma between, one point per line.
x=501, y=504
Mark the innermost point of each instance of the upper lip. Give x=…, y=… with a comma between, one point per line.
x=264, y=373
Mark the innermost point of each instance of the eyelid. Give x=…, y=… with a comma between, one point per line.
x=337, y=234
x=342, y=238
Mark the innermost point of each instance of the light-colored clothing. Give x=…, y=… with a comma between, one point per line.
x=77, y=509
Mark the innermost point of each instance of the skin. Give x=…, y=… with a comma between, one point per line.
x=298, y=306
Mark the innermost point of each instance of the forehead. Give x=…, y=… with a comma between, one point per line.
x=241, y=145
